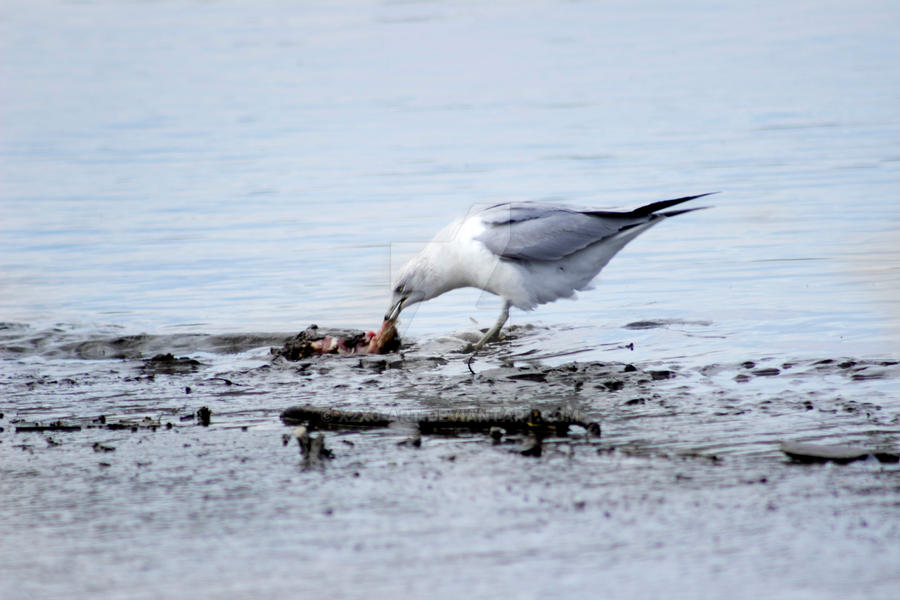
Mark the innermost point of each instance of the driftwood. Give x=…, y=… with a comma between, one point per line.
x=114, y=424
x=326, y=418
x=534, y=423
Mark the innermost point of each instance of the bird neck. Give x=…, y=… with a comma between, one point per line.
x=442, y=268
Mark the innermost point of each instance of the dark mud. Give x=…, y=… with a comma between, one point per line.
x=173, y=456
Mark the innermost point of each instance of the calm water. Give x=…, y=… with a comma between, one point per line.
x=216, y=167
x=222, y=167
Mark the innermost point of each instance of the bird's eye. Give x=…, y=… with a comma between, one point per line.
x=398, y=289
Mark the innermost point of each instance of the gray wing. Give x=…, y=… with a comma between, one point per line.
x=545, y=231
x=534, y=231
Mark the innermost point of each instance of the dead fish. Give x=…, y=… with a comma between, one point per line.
x=309, y=342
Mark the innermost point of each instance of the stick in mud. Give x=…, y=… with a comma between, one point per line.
x=54, y=426
x=311, y=447
x=328, y=418
x=556, y=423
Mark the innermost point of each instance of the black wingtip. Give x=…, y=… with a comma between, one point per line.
x=681, y=211
x=649, y=209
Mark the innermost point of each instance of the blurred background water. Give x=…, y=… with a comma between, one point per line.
x=231, y=166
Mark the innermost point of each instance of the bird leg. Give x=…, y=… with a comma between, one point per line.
x=494, y=331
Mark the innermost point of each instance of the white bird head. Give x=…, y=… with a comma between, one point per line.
x=417, y=282
x=438, y=268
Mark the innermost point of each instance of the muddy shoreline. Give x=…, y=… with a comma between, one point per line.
x=412, y=380
x=372, y=458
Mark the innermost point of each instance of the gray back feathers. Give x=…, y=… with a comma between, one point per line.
x=527, y=231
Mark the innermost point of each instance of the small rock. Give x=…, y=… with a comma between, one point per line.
x=311, y=447
x=818, y=453
x=414, y=440
x=204, y=415
x=614, y=385
x=533, y=447
x=766, y=372
x=168, y=364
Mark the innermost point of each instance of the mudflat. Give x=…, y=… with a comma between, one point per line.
x=182, y=464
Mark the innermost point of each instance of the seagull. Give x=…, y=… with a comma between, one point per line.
x=528, y=253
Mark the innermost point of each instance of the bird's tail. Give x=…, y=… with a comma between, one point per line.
x=648, y=215
x=652, y=210
x=654, y=207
